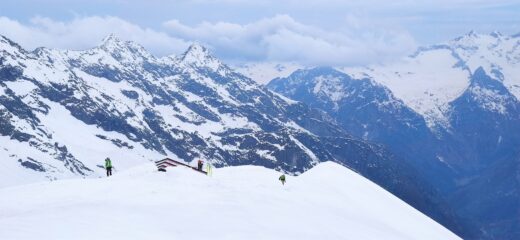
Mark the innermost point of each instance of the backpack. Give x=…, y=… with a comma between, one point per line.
x=108, y=163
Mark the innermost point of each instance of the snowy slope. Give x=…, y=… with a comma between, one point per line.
x=434, y=76
x=326, y=202
x=425, y=82
x=496, y=53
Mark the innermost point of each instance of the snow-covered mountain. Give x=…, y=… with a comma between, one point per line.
x=450, y=110
x=485, y=123
x=247, y=202
x=63, y=112
x=367, y=110
x=434, y=76
x=473, y=106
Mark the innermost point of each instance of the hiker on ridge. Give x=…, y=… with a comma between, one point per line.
x=282, y=179
x=199, y=165
x=108, y=166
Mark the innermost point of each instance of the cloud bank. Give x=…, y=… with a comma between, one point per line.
x=85, y=33
x=280, y=38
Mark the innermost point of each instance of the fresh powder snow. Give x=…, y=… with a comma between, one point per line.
x=247, y=202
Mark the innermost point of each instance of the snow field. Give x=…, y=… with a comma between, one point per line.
x=247, y=202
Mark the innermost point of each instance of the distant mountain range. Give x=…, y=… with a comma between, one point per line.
x=63, y=112
x=451, y=111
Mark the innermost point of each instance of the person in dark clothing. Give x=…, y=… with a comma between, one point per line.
x=282, y=179
x=199, y=165
x=108, y=166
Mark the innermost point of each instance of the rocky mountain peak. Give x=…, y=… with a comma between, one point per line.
x=482, y=79
x=197, y=50
x=123, y=50
x=490, y=94
x=8, y=45
x=199, y=56
x=111, y=39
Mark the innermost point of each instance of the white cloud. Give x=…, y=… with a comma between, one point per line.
x=84, y=33
x=355, y=41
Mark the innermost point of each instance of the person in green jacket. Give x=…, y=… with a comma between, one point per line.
x=108, y=166
x=282, y=179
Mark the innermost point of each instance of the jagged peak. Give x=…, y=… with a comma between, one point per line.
x=111, y=42
x=489, y=93
x=473, y=39
x=8, y=42
x=471, y=33
x=111, y=39
x=199, y=56
x=5, y=39
x=482, y=79
x=197, y=51
x=479, y=72
x=115, y=46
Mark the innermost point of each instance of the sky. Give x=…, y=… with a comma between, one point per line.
x=308, y=32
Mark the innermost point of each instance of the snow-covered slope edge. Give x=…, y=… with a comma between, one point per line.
x=327, y=202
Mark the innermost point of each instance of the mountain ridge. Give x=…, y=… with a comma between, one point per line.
x=465, y=91
x=79, y=107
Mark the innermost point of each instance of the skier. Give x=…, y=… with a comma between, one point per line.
x=108, y=166
x=199, y=165
x=282, y=179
